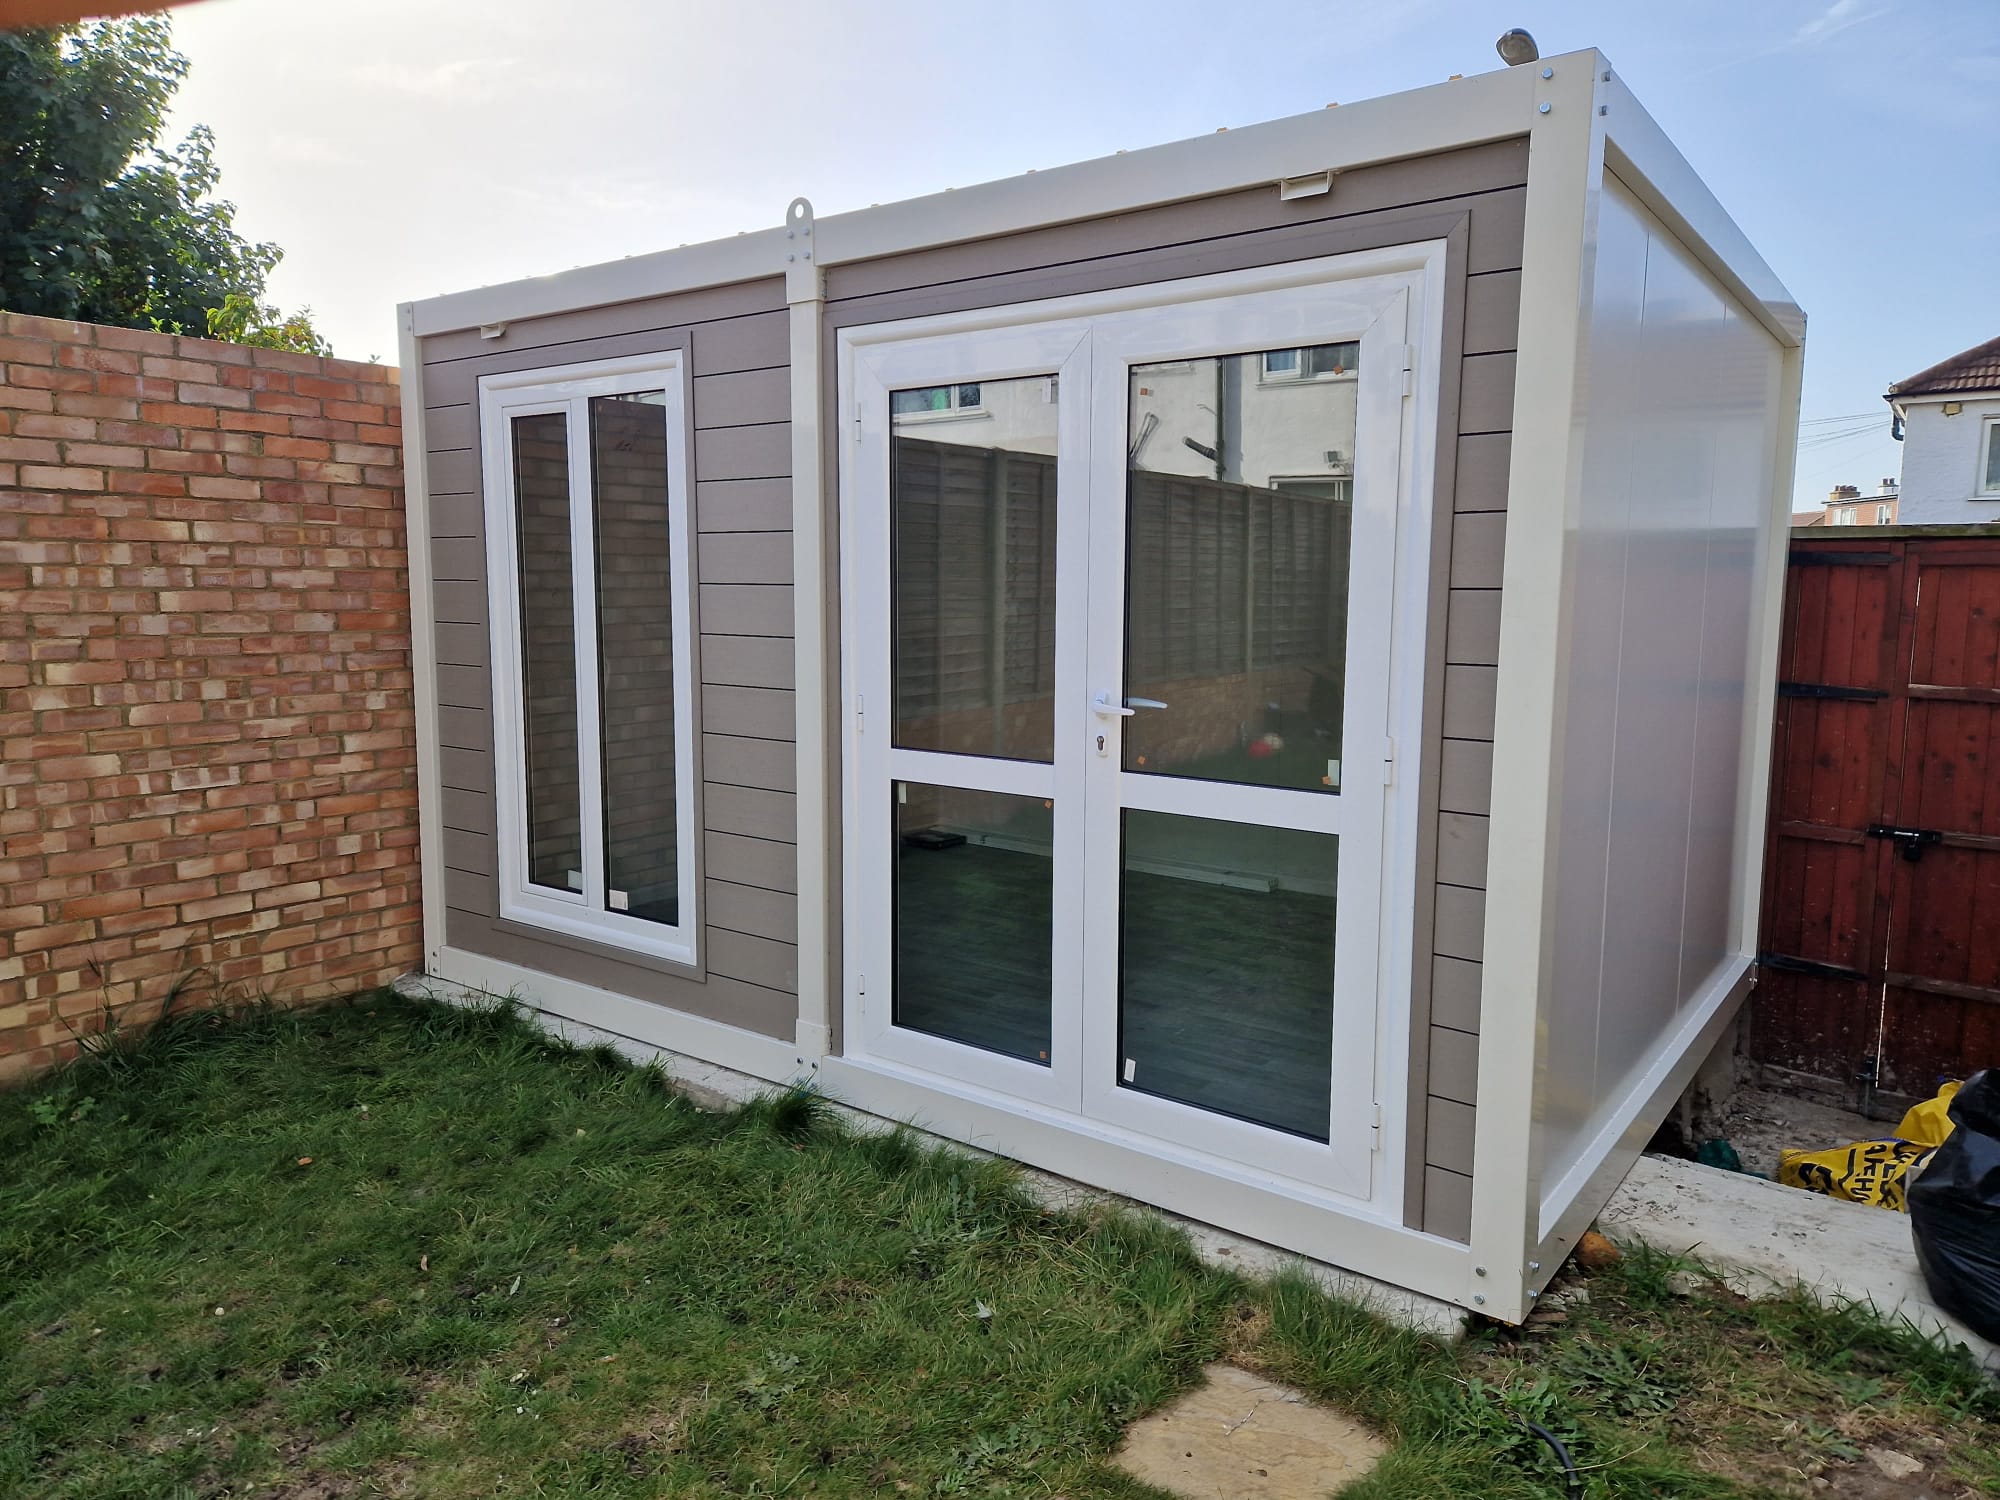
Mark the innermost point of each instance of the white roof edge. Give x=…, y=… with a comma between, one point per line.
x=1640, y=153
x=1416, y=122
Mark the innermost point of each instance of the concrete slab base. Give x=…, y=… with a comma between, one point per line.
x=1237, y=1436
x=1763, y=1237
x=713, y=1087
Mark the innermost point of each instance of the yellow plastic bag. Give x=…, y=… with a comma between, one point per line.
x=1873, y=1172
x=1866, y=1172
x=1927, y=1124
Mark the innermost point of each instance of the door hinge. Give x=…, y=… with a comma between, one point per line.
x=1375, y=1130
x=857, y=427
x=1409, y=369
x=1388, y=760
x=860, y=714
x=860, y=984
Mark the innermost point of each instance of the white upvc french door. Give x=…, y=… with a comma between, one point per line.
x=1127, y=597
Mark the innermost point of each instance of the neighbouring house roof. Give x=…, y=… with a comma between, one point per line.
x=1977, y=369
x=1804, y=518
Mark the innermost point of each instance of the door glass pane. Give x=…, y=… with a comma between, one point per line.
x=1226, y=968
x=635, y=645
x=972, y=524
x=1240, y=494
x=973, y=896
x=548, y=650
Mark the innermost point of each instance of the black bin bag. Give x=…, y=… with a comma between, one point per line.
x=1955, y=1210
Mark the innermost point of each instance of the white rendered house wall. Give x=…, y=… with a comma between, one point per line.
x=1945, y=461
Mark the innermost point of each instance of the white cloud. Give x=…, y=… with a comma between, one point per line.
x=1835, y=19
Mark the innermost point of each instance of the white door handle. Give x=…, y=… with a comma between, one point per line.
x=1104, y=708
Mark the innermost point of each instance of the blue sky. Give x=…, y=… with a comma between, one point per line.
x=398, y=148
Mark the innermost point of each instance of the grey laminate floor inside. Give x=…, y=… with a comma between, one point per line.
x=1227, y=993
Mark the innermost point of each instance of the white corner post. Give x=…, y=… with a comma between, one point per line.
x=1565, y=166
x=805, y=298
x=423, y=645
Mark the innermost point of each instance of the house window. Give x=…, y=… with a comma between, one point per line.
x=936, y=401
x=1989, y=460
x=1844, y=516
x=587, y=561
x=1315, y=362
x=1882, y=515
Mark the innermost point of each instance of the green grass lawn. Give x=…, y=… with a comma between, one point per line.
x=395, y=1249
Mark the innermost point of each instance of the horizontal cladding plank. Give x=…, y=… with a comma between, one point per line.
x=744, y=557
x=1472, y=625
x=742, y=397
x=1493, y=313
x=752, y=909
x=764, y=863
x=458, y=558
x=1465, y=776
x=732, y=760
x=1461, y=854
x=467, y=770
x=468, y=851
x=746, y=609
x=456, y=602
x=460, y=644
x=752, y=959
x=457, y=516
x=1460, y=930
x=754, y=812
x=1478, y=549
x=1498, y=229
x=456, y=381
x=765, y=661
x=757, y=343
x=763, y=451
x=465, y=729
x=679, y=310
x=1448, y=1135
x=1486, y=393
x=744, y=505
x=1223, y=252
x=718, y=997
x=451, y=426
x=1455, y=993
x=452, y=471
x=757, y=713
x=1474, y=170
x=469, y=892
x=1447, y=1204
x=465, y=687
x=1454, y=1064
x=1469, y=696
x=1483, y=460
x=468, y=810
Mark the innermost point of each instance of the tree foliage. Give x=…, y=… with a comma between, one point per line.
x=98, y=220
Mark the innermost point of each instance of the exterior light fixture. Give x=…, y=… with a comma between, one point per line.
x=1516, y=47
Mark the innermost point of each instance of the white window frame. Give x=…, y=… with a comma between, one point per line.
x=569, y=388
x=1297, y=374
x=1986, y=483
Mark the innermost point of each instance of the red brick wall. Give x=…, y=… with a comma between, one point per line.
x=206, y=713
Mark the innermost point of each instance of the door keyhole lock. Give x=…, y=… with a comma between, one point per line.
x=1100, y=744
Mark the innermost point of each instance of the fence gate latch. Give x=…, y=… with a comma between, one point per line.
x=1910, y=842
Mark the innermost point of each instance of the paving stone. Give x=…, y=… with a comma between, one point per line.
x=1239, y=1437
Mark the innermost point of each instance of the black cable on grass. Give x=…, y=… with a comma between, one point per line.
x=1572, y=1480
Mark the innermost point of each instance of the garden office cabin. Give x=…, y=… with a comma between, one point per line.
x=1237, y=672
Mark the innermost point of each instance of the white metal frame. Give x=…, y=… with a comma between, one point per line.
x=1986, y=478
x=568, y=390
x=1580, y=120
x=1391, y=300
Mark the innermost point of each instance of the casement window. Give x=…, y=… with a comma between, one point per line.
x=1989, y=460
x=588, y=588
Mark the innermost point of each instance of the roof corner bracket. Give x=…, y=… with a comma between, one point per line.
x=802, y=276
